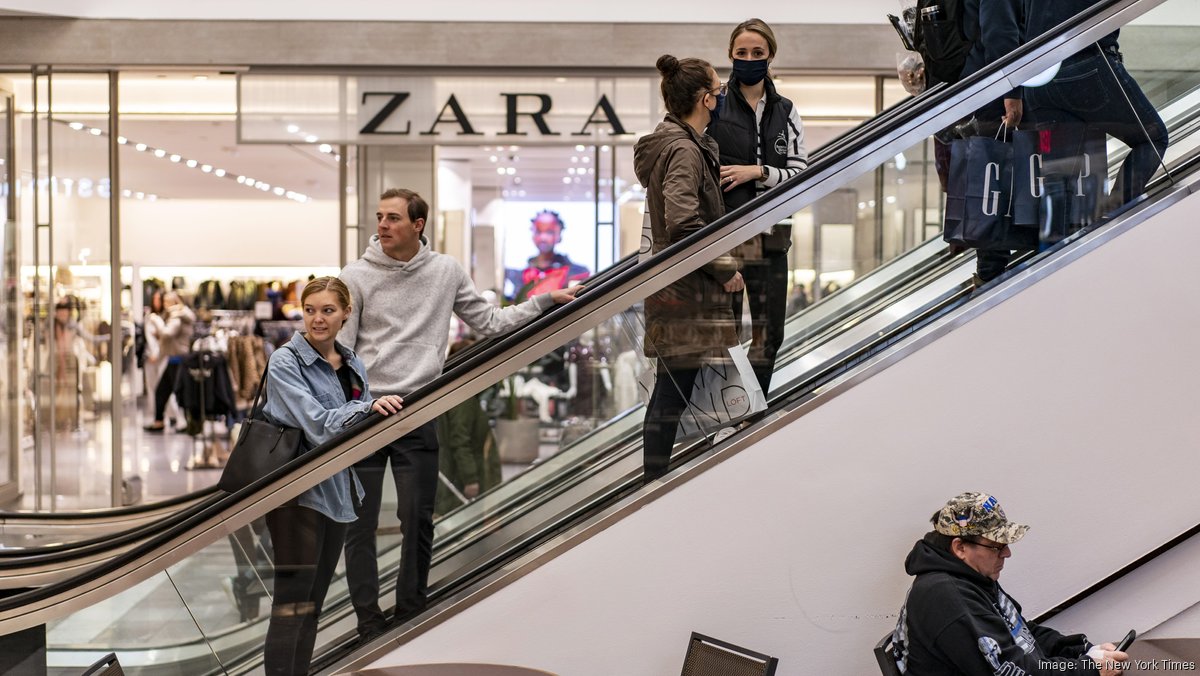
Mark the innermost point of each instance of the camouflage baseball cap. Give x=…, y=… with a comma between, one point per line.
x=978, y=514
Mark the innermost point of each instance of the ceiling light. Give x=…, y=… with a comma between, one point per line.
x=176, y=158
x=192, y=164
x=325, y=148
x=510, y=171
x=500, y=170
x=493, y=158
x=94, y=131
x=311, y=138
x=241, y=179
x=160, y=153
x=206, y=168
x=219, y=173
x=122, y=140
x=587, y=159
x=200, y=78
x=127, y=193
x=76, y=126
x=566, y=179
x=140, y=195
x=141, y=147
x=292, y=129
x=279, y=191
x=578, y=149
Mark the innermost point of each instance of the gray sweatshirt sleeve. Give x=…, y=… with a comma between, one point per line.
x=487, y=319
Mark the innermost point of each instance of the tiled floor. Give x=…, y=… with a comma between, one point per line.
x=82, y=461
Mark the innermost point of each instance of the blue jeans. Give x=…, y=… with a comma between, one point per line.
x=1094, y=88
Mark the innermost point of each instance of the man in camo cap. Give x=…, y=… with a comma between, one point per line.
x=957, y=620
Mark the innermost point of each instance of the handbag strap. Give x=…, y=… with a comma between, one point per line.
x=256, y=408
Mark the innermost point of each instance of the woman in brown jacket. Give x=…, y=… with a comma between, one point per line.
x=693, y=318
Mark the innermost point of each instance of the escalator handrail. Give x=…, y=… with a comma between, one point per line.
x=915, y=120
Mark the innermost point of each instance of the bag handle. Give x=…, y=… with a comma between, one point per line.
x=256, y=408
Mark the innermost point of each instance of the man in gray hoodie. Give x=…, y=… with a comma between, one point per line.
x=404, y=294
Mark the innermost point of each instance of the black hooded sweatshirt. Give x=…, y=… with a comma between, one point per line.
x=957, y=622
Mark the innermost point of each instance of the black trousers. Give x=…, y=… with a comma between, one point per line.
x=414, y=459
x=766, y=289
x=668, y=401
x=166, y=386
x=306, y=545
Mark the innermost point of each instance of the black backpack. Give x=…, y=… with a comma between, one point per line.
x=941, y=41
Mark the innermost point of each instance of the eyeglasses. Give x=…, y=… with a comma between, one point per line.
x=720, y=91
x=995, y=548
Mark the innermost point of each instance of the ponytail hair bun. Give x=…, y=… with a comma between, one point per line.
x=667, y=65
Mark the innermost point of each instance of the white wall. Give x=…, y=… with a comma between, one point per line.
x=229, y=232
x=1073, y=402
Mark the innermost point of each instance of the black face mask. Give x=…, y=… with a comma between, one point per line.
x=750, y=72
x=715, y=113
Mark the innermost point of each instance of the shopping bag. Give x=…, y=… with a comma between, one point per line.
x=726, y=391
x=956, y=193
x=987, y=208
x=1029, y=181
x=646, y=247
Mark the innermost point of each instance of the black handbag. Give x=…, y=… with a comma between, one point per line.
x=261, y=447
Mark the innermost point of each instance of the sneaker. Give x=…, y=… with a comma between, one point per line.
x=157, y=428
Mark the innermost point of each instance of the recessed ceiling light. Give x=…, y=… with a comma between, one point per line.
x=192, y=164
x=292, y=129
x=175, y=158
x=160, y=153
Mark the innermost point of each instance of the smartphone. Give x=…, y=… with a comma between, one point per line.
x=1127, y=641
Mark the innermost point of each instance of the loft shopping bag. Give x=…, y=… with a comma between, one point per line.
x=261, y=447
x=725, y=392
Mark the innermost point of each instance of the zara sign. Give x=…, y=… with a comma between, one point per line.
x=446, y=109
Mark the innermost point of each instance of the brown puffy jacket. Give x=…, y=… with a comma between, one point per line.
x=681, y=171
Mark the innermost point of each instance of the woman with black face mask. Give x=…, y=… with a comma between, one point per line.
x=762, y=144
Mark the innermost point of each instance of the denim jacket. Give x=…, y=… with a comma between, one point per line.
x=303, y=391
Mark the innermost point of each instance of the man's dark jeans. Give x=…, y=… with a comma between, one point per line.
x=414, y=459
x=1094, y=88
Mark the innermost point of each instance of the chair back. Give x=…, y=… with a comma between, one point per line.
x=885, y=654
x=707, y=656
x=105, y=666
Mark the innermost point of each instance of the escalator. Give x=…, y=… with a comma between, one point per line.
x=829, y=340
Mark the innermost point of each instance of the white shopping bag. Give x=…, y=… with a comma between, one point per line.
x=725, y=392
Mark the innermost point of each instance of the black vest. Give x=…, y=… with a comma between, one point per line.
x=735, y=134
